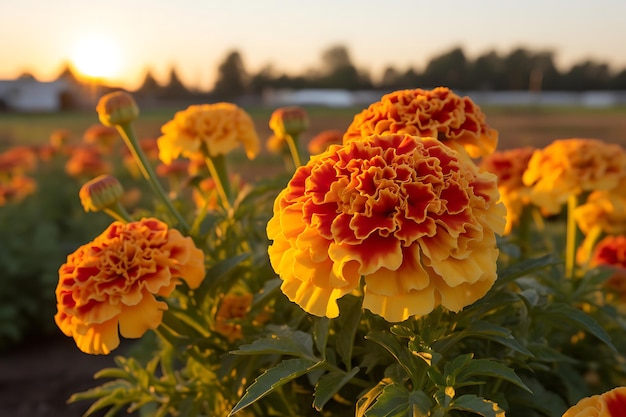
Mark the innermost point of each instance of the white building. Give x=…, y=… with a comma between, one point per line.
x=30, y=95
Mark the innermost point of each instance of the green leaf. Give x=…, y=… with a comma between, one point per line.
x=284, y=341
x=366, y=400
x=216, y=274
x=320, y=334
x=526, y=267
x=346, y=325
x=273, y=378
x=499, y=334
x=412, y=366
x=477, y=405
x=329, y=385
x=397, y=401
x=561, y=313
x=489, y=368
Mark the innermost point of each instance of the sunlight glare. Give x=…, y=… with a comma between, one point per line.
x=96, y=56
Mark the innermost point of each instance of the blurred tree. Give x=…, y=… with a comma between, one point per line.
x=543, y=73
x=232, y=78
x=392, y=79
x=338, y=71
x=618, y=82
x=450, y=69
x=587, y=75
x=486, y=72
x=174, y=88
x=149, y=87
x=517, y=68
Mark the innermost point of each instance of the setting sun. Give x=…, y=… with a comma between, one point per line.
x=96, y=56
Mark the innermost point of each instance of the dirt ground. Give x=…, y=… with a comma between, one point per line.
x=37, y=378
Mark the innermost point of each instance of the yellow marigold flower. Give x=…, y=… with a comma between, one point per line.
x=609, y=404
x=276, y=144
x=413, y=217
x=117, y=108
x=606, y=209
x=101, y=192
x=320, y=142
x=111, y=283
x=289, y=121
x=438, y=113
x=214, y=128
x=232, y=308
x=509, y=167
x=573, y=166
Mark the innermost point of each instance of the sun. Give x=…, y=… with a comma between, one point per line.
x=96, y=56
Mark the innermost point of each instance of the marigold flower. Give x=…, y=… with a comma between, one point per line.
x=103, y=137
x=288, y=121
x=438, y=113
x=117, y=108
x=87, y=162
x=232, y=308
x=320, y=142
x=100, y=193
x=509, y=167
x=606, y=209
x=18, y=160
x=413, y=217
x=214, y=128
x=16, y=189
x=59, y=138
x=610, y=404
x=112, y=282
x=610, y=252
x=573, y=166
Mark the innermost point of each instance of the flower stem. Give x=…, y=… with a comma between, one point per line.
x=118, y=212
x=217, y=169
x=571, y=238
x=293, y=148
x=128, y=135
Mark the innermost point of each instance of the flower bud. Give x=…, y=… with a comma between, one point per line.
x=289, y=121
x=117, y=108
x=100, y=193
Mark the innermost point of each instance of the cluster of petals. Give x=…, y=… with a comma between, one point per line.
x=18, y=160
x=509, y=166
x=16, y=188
x=605, y=210
x=413, y=217
x=572, y=167
x=609, y=404
x=207, y=130
x=112, y=282
x=440, y=113
x=232, y=309
x=103, y=137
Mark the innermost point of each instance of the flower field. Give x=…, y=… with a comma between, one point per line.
x=421, y=256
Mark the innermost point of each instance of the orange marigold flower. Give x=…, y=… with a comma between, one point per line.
x=573, y=166
x=438, y=113
x=509, y=167
x=103, y=137
x=288, y=121
x=610, y=253
x=413, y=217
x=18, y=160
x=276, y=144
x=59, y=138
x=232, y=309
x=610, y=404
x=320, y=142
x=16, y=189
x=87, y=162
x=215, y=129
x=111, y=283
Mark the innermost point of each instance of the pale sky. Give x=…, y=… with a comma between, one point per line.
x=39, y=36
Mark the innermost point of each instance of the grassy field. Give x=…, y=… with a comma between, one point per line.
x=517, y=126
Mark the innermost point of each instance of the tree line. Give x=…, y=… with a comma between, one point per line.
x=519, y=69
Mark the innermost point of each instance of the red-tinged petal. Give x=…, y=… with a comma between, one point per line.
x=137, y=319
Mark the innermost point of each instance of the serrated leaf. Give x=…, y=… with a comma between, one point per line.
x=499, y=334
x=366, y=400
x=561, y=312
x=477, y=405
x=284, y=342
x=329, y=385
x=401, y=353
x=489, y=368
x=273, y=378
x=320, y=334
x=397, y=401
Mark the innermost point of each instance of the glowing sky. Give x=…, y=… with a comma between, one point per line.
x=39, y=36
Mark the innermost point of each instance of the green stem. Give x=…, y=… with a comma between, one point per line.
x=217, y=169
x=118, y=212
x=293, y=148
x=128, y=135
x=571, y=238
